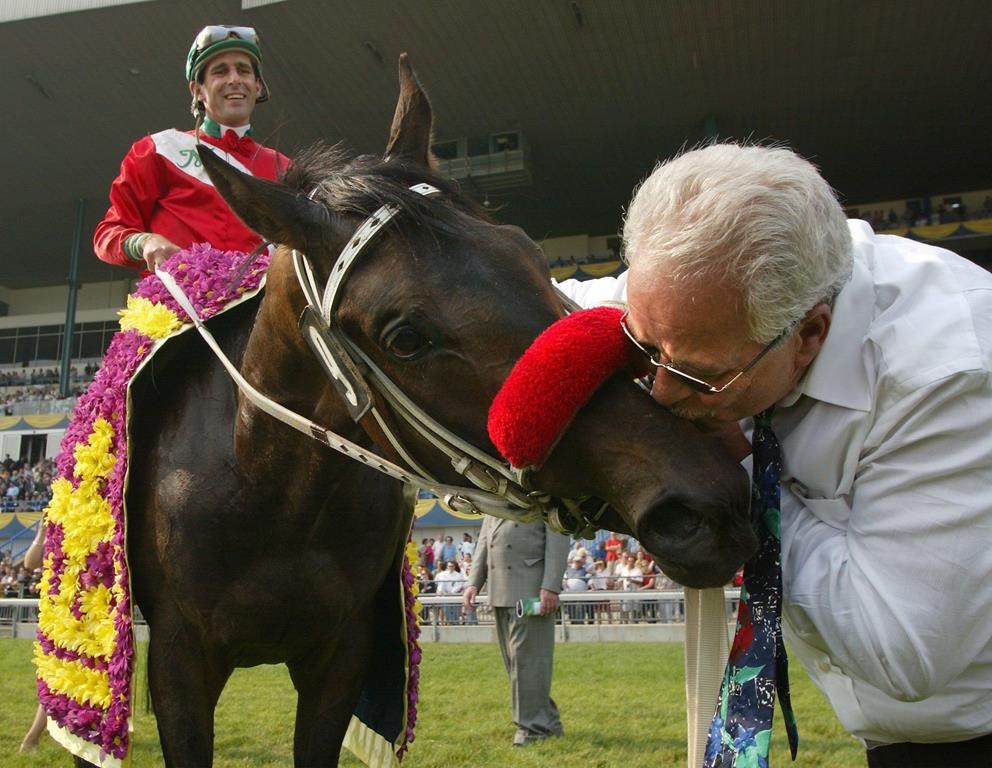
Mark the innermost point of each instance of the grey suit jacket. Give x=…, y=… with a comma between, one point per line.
x=517, y=560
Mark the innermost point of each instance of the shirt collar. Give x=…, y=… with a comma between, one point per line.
x=215, y=129
x=839, y=375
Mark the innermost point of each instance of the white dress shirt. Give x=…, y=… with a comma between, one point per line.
x=887, y=496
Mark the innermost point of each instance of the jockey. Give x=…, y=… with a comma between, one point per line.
x=162, y=201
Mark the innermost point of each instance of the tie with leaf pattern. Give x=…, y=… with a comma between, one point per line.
x=741, y=731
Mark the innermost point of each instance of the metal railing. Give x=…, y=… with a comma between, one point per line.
x=441, y=615
x=40, y=407
x=17, y=611
x=592, y=607
x=19, y=616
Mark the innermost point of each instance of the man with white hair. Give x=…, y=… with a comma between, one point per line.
x=748, y=290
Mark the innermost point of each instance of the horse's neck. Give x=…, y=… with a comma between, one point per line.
x=278, y=363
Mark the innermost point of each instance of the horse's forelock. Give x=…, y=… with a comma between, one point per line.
x=363, y=184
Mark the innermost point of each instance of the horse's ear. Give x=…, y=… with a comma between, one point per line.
x=274, y=211
x=410, y=134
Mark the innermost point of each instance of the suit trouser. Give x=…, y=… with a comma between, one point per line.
x=528, y=647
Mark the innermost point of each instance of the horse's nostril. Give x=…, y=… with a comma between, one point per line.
x=673, y=522
x=687, y=545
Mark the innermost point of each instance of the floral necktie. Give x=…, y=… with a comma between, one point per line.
x=741, y=731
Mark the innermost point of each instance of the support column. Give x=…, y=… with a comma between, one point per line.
x=69, y=329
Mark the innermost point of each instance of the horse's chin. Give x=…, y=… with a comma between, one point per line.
x=696, y=556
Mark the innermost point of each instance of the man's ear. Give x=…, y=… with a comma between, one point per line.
x=812, y=333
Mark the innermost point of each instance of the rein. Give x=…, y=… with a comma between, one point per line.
x=497, y=489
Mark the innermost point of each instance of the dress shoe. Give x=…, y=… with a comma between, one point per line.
x=523, y=737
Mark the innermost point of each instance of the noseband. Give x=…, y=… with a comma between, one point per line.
x=496, y=489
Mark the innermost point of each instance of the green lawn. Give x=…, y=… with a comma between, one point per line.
x=622, y=704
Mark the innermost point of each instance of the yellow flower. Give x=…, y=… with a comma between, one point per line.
x=71, y=678
x=412, y=558
x=88, y=522
x=98, y=621
x=93, y=633
x=59, y=505
x=94, y=458
x=153, y=320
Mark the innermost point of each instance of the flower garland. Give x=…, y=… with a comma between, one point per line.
x=84, y=654
x=411, y=590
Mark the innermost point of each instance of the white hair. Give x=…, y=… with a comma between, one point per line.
x=761, y=218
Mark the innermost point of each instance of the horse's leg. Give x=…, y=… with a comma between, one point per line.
x=185, y=683
x=328, y=685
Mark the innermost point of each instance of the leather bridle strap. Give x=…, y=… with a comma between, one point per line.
x=362, y=237
x=499, y=489
x=352, y=371
x=481, y=500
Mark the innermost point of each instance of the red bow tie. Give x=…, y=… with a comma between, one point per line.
x=234, y=143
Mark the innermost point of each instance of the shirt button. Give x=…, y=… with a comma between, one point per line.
x=823, y=665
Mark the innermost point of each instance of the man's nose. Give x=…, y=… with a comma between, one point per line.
x=668, y=390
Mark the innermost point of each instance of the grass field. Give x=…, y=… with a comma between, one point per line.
x=622, y=704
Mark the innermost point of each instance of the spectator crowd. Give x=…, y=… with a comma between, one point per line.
x=26, y=385
x=25, y=486
x=611, y=562
x=944, y=213
x=16, y=580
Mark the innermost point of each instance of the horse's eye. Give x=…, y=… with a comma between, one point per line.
x=406, y=343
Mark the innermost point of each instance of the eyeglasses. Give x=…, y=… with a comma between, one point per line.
x=697, y=385
x=217, y=32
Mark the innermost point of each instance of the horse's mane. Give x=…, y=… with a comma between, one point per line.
x=363, y=184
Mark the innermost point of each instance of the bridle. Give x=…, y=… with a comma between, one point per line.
x=495, y=487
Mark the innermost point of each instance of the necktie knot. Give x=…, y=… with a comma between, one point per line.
x=234, y=143
x=764, y=419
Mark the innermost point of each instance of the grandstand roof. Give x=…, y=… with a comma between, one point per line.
x=889, y=97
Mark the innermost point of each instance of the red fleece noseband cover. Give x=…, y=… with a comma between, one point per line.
x=556, y=376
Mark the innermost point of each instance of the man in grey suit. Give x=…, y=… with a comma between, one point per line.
x=520, y=561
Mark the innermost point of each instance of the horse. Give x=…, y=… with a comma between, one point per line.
x=250, y=543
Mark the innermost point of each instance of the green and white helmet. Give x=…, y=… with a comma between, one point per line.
x=218, y=38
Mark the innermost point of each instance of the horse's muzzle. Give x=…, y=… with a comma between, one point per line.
x=690, y=549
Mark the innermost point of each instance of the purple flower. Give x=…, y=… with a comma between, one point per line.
x=208, y=277
x=414, y=655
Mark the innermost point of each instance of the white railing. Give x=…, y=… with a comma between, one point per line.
x=596, y=614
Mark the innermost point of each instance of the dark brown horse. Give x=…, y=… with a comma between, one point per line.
x=252, y=544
